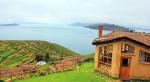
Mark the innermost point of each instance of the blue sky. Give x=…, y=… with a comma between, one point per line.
x=124, y=12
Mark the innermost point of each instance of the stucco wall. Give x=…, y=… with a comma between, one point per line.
x=116, y=57
x=137, y=70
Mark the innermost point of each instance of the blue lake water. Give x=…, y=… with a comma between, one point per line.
x=76, y=38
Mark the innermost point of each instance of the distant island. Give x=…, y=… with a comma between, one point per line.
x=11, y=24
x=106, y=26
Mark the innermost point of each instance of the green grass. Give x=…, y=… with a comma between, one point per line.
x=1, y=59
x=84, y=74
x=91, y=55
x=14, y=60
x=5, y=54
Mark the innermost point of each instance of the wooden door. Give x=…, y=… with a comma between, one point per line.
x=125, y=68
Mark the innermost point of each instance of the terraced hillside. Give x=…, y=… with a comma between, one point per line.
x=13, y=53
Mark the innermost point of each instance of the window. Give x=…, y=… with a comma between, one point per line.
x=106, y=55
x=127, y=49
x=144, y=56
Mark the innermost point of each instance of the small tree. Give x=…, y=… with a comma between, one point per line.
x=46, y=57
x=39, y=58
x=1, y=80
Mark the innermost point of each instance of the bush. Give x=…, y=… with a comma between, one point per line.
x=1, y=80
x=89, y=60
x=42, y=74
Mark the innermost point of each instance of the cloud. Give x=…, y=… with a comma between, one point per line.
x=46, y=11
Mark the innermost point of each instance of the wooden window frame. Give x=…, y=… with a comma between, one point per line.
x=126, y=48
x=144, y=54
x=106, y=55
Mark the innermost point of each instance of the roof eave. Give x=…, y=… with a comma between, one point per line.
x=117, y=39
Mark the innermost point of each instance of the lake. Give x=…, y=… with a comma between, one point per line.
x=76, y=38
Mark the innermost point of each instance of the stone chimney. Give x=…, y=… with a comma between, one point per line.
x=100, y=28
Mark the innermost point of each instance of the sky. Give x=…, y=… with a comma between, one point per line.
x=124, y=12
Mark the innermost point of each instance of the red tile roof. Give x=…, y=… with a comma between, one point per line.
x=141, y=38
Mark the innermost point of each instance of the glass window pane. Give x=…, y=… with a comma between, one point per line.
x=106, y=55
x=127, y=48
x=144, y=56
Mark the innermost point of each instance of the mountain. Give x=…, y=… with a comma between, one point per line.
x=106, y=26
x=12, y=24
x=13, y=53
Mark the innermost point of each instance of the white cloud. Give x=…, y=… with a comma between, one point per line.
x=113, y=11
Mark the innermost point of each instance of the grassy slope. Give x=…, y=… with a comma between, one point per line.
x=14, y=52
x=84, y=74
x=91, y=55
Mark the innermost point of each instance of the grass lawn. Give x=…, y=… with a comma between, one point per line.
x=84, y=74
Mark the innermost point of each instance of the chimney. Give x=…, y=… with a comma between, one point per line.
x=100, y=28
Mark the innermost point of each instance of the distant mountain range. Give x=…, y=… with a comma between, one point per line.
x=12, y=24
x=106, y=26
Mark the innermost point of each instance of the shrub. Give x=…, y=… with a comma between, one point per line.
x=1, y=80
x=42, y=74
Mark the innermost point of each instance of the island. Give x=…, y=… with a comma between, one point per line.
x=11, y=24
x=106, y=26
